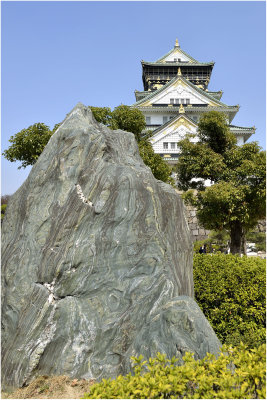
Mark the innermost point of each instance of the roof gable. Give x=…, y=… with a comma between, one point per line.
x=179, y=87
x=175, y=128
x=175, y=54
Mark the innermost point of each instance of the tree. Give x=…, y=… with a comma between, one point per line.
x=103, y=115
x=129, y=119
x=160, y=169
x=28, y=144
x=236, y=199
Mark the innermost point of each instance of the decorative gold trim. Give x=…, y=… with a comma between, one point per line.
x=181, y=109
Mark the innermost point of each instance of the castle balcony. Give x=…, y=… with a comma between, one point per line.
x=171, y=75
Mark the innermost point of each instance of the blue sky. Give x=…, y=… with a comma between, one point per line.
x=56, y=54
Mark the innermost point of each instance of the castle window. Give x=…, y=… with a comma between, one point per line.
x=173, y=145
x=172, y=101
x=187, y=101
x=176, y=101
x=165, y=145
x=165, y=119
x=148, y=120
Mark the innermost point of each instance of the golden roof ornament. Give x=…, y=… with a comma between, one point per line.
x=176, y=43
x=179, y=72
x=181, y=109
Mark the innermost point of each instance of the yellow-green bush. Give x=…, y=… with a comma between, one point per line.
x=231, y=291
x=238, y=373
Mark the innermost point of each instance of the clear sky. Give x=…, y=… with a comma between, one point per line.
x=56, y=54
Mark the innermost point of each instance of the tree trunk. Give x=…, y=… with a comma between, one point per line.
x=238, y=239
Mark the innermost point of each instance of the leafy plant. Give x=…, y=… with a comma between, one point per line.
x=259, y=238
x=129, y=119
x=231, y=293
x=3, y=210
x=160, y=169
x=28, y=144
x=236, y=373
x=236, y=199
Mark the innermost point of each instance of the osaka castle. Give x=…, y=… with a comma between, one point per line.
x=174, y=97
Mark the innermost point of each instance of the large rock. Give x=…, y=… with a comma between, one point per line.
x=97, y=262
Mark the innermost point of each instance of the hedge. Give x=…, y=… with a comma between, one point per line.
x=238, y=373
x=231, y=292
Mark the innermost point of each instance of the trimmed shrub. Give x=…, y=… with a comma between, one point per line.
x=238, y=373
x=230, y=290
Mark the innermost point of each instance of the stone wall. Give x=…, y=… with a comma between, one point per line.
x=197, y=231
x=261, y=227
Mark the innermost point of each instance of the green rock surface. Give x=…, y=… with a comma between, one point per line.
x=96, y=262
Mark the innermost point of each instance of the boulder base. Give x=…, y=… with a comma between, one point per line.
x=97, y=262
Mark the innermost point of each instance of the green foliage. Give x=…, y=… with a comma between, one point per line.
x=28, y=144
x=231, y=293
x=224, y=203
x=160, y=169
x=236, y=374
x=4, y=201
x=214, y=131
x=103, y=115
x=129, y=119
x=122, y=117
x=197, y=160
x=216, y=241
x=56, y=127
x=259, y=238
x=3, y=210
x=236, y=199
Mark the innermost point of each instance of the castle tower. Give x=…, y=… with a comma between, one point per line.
x=176, y=80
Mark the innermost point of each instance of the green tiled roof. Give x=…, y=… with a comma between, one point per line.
x=242, y=127
x=201, y=91
x=182, y=51
x=178, y=64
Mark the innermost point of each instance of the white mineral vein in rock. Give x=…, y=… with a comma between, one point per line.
x=82, y=196
x=120, y=280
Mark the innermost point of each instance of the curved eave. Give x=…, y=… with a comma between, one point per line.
x=178, y=64
x=235, y=127
x=242, y=131
x=200, y=91
x=172, y=50
x=189, y=109
x=147, y=93
x=216, y=95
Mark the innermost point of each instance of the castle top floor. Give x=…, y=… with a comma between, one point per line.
x=158, y=73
